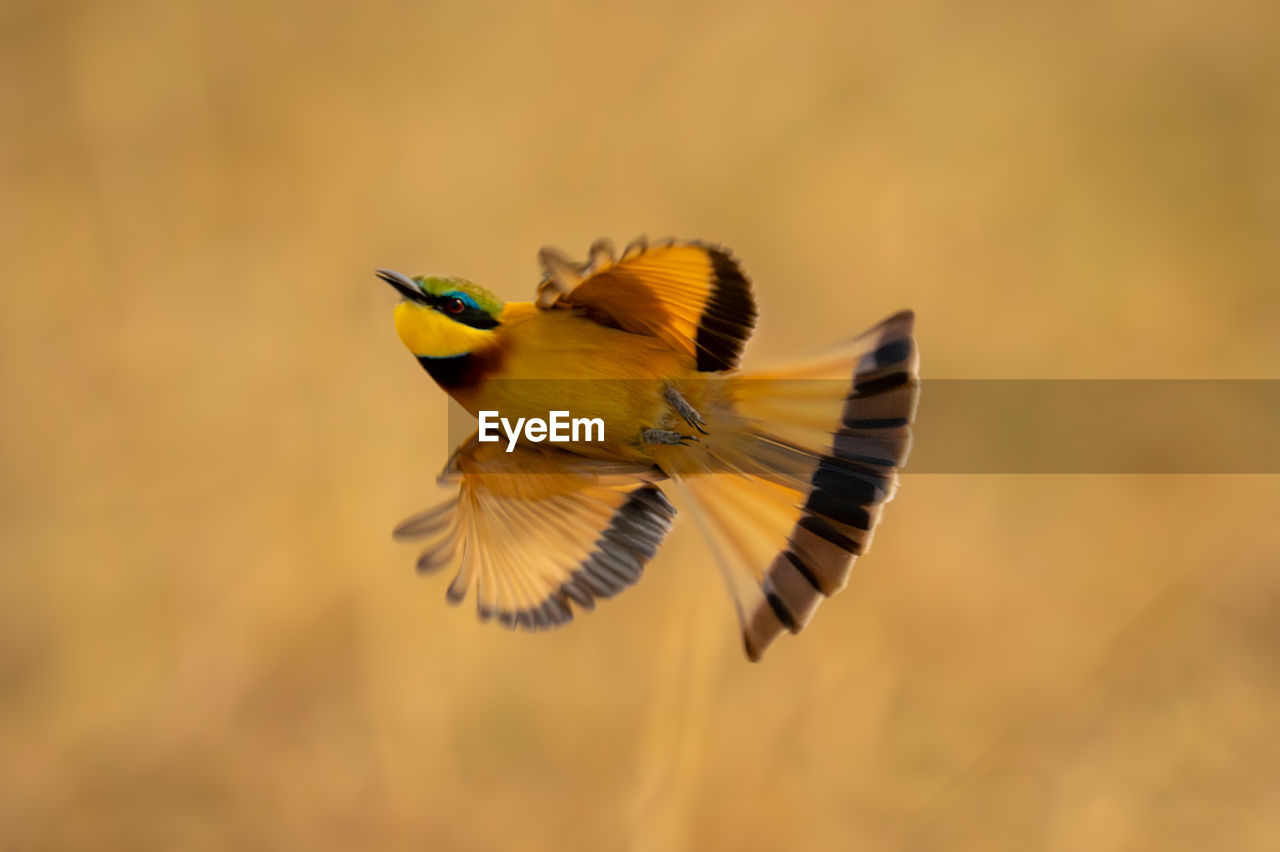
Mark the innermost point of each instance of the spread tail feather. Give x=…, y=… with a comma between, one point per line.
x=818, y=460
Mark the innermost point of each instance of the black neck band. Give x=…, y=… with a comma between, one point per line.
x=448, y=372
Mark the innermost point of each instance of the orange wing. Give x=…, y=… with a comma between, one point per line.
x=691, y=295
x=532, y=530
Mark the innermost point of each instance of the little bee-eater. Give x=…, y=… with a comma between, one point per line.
x=786, y=470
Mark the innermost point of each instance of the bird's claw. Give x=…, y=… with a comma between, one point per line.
x=684, y=409
x=666, y=436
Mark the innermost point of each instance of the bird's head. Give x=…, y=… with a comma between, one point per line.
x=443, y=317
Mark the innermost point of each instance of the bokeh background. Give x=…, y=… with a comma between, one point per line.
x=208, y=639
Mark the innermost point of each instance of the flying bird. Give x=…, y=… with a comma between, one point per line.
x=785, y=470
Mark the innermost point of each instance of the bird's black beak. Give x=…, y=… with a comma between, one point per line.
x=404, y=284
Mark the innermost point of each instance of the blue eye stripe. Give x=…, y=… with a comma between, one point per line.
x=466, y=300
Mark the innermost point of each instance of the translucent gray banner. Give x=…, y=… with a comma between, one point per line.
x=1221, y=426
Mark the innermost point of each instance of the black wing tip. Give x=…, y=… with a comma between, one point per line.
x=615, y=563
x=631, y=539
x=425, y=523
x=553, y=612
x=729, y=316
x=894, y=348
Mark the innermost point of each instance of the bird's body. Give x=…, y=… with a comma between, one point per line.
x=539, y=360
x=790, y=466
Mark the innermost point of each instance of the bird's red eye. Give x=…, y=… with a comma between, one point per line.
x=455, y=305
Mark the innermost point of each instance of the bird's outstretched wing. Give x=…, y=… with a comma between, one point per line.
x=691, y=295
x=538, y=528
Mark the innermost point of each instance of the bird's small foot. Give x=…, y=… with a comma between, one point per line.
x=665, y=436
x=684, y=409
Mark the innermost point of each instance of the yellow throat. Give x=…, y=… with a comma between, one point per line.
x=427, y=333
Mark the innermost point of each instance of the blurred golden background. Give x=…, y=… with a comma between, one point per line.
x=208, y=639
